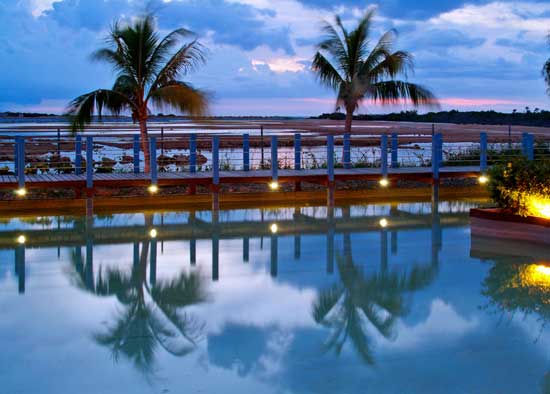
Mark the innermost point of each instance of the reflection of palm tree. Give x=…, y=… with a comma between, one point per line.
x=151, y=316
x=379, y=299
x=524, y=288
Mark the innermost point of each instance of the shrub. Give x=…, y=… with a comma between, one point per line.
x=522, y=187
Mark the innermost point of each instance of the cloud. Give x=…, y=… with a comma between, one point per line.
x=260, y=50
x=227, y=23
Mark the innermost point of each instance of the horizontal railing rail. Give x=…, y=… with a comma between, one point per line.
x=216, y=156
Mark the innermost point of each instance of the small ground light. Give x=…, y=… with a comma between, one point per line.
x=21, y=192
x=384, y=182
x=21, y=239
x=153, y=233
x=153, y=189
x=274, y=228
x=274, y=185
x=483, y=179
x=383, y=223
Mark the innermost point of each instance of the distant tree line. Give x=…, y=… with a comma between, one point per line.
x=23, y=115
x=535, y=117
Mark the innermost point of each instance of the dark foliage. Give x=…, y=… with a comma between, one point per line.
x=528, y=118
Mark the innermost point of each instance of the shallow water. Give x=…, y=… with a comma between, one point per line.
x=323, y=302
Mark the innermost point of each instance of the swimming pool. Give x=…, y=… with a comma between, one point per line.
x=382, y=298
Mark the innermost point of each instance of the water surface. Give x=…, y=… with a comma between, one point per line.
x=290, y=300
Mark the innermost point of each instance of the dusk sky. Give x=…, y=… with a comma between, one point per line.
x=473, y=55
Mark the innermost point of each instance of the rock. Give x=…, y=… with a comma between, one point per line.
x=126, y=159
x=164, y=160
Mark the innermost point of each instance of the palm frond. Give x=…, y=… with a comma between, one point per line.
x=183, y=61
x=181, y=96
x=546, y=75
x=335, y=46
x=325, y=303
x=165, y=47
x=325, y=71
x=82, y=108
x=391, y=92
x=393, y=65
x=357, y=42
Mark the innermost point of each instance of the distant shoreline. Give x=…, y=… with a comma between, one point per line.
x=535, y=118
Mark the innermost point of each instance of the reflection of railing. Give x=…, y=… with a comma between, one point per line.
x=196, y=228
x=87, y=237
x=77, y=158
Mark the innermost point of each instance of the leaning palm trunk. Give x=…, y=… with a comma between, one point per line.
x=345, y=63
x=145, y=146
x=147, y=71
x=349, y=120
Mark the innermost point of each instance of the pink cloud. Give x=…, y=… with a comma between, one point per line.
x=475, y=102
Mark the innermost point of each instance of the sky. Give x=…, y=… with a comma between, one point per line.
x=474, y=55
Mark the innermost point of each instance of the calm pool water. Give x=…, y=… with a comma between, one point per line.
x=389, y=298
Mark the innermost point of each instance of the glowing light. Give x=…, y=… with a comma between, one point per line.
x=21, y=192
x=543, y=270
x=383, y=223
x=274, y=185
x=539, y=207
x=274, y=228
x=153, y=189
x=153, y=233
x=483, y=179
x=21, y=239
x=384, y=182
x=535, y=275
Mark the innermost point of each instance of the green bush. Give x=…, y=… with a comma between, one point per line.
x=520, y=186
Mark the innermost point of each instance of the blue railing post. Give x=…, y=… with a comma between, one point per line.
x=330, y=158
x=89, y=162
x=78, y=155
x=21, y=162
x=15, y=156
x=346, y=157
x=394, y=148
x=524, y=137
x=435, y=157
x=384, y=155
x=246, y=152
x=154, y=167
x=297, y=151
x=193, y=153
x=530, y=147
x=483, y=152
x=274, y=159
x=439, y=148
x=136, y=154
x=216, y=160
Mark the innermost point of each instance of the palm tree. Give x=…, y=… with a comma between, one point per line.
x=345, y=63
x=148, y=70
x=546, y=70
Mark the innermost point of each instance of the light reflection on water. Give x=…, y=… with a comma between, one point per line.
x=330, y=302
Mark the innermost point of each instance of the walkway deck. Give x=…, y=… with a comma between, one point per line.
x=232, y=177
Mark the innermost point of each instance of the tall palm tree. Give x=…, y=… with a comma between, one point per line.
x=546, y=70
x=148, y=70
x=345, y=62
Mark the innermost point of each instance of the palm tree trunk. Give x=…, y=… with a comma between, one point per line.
x=145, y=143
x=349, y=119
